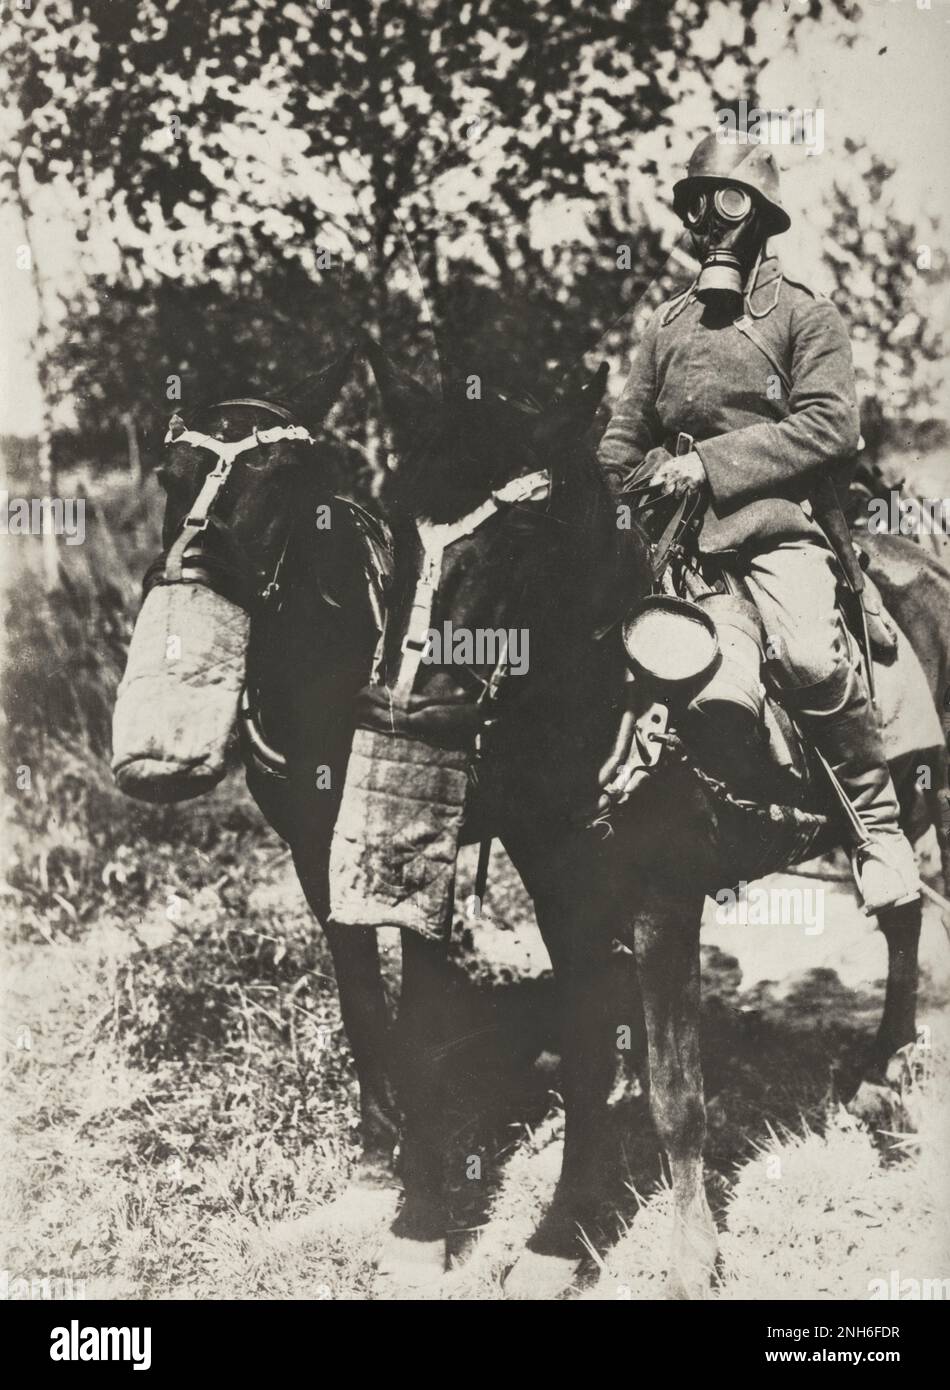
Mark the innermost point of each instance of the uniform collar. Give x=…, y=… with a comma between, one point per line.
x=760, y=292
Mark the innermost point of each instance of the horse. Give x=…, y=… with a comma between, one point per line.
x=307, y=569
x=503, y=525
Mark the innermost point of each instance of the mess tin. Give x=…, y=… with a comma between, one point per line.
x=672, y=643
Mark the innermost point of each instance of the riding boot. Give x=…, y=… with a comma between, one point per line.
x=840, y=718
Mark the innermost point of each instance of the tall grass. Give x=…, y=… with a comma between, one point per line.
x=181, y=1064
x=180, y=1097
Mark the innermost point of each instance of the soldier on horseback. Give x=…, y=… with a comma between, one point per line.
x=757, y=368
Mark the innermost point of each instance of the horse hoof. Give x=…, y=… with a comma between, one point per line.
x=541, y=1278
x=409, y=1268
x=882, y=1101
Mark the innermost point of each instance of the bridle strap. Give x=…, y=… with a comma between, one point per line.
x=435, y=540
x=226, y=453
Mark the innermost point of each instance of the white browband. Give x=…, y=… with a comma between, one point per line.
x=224, y=450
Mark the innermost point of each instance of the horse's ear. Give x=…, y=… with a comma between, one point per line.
x=409, y=407
x=314, y=397
x=572, y=408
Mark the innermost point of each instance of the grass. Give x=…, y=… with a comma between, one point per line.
x=180, y=1101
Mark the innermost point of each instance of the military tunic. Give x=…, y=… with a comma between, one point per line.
x=762, y=446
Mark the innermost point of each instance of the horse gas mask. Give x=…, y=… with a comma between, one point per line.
x=727, y=233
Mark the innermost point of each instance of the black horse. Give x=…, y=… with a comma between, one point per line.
x=309, y=568
x=547, y=559
x=503, y=525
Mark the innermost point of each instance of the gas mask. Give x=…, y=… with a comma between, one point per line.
x=726, y=228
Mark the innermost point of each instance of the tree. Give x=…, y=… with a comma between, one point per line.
x=270, y=177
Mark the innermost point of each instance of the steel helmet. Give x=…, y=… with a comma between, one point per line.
x=752, y=166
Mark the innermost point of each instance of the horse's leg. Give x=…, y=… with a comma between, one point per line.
x=413, y=1255
x=666, y=941
x=365, y=1016
x=587, y=1024
x=893, y=1053
x=576, y=903
x=901, y=926
x=366, y=1023
x=898, y=1027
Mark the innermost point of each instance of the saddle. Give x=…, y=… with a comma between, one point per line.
x=701, y=691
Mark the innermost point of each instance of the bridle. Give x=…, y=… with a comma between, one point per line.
x=435, y=539
x=188, y=561
x=184, y=562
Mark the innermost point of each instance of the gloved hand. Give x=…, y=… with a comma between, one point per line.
x=623, y=479
x=679, y=473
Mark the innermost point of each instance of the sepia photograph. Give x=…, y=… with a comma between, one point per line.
x=475, y=674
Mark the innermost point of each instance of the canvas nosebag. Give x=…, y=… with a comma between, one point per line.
x=395, y=843
x=177, y=705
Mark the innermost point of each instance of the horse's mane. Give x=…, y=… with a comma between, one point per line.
x=458, y=451
x=465, y=449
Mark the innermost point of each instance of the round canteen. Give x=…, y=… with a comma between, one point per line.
x=671, y=642
x=737, y=683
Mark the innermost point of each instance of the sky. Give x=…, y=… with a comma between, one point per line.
x=890, y=88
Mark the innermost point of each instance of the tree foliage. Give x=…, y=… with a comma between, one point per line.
x=248, y=181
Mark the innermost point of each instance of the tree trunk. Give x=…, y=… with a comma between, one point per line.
x=41, y=340
x=135, y=455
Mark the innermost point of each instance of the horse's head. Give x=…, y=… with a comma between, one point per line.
x=506, y=572
x=508, y=550
x=237, y=476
